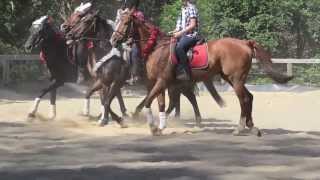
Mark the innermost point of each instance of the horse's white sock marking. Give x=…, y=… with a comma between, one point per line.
x=86, y=109
x=53, y=111
x=162, y=120
x=35, y=106
x=102, y=113
x=149, y=116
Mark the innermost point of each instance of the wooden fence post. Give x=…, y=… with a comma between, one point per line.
x=5, y=71
x=289, y=69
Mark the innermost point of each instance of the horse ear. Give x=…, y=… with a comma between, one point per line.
x=49, y=20
x=131, y=11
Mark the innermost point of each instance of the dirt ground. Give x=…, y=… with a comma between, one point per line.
x=74, y=147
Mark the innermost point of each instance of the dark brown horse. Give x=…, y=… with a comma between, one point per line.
x=229, y=57
x=53, y=47
x=85, y=56
x=112, y=74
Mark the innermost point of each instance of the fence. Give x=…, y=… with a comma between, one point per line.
x=8, y=60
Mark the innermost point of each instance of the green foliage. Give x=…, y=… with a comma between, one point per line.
x=286, y=28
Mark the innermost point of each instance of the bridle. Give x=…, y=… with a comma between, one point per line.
x=129, y=31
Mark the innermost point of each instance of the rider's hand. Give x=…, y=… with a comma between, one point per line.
x=178, y=34
x=172, y=32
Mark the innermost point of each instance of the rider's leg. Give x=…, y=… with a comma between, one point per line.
x=135, y=63
x=184, y=44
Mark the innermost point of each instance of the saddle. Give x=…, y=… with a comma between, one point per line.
x=198, y=55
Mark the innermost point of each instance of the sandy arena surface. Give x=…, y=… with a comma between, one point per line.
x=74, y=147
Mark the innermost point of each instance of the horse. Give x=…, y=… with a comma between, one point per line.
x=82, y=52
x=174, y=92
x=112, y=74
x=54, y=50
x=229, y=57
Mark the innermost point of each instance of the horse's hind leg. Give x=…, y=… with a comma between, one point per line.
x=121, y=104
x=246, y=99
x=192, y=98
x=113, y=89
x=174, y=101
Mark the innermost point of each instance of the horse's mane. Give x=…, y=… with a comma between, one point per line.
x=164, y=38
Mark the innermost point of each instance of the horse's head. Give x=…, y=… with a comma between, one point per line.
x=76, y=16
x=71, y=21
x=40, y=31
x=87, y=26
x=124, y=28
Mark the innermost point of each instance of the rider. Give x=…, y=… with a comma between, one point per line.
x=187, y=34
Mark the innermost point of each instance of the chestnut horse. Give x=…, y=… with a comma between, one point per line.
x=229, y=57
x=174, y=91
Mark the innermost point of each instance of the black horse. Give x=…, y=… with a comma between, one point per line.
x=53, y=49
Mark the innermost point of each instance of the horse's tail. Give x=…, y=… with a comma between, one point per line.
x=264, y=58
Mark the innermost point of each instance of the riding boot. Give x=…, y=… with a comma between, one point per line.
x=183, y=71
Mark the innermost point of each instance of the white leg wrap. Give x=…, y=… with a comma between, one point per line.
x=162, y=120
x=149, y=116
x=86, y=109
x=53, y=111
x=242, y=123
x=102, y=113
x=35, y=106
x=241, y=126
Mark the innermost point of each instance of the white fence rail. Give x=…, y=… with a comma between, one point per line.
x=5, y=61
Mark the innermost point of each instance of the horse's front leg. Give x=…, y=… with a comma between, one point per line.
x=53, y=110
x=142, y=103
x=162, y=113
x=53, y=86
x=96, y=86
x=158, y=88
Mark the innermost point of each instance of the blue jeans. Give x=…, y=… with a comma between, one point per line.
x=135, y=60
x=183, y=46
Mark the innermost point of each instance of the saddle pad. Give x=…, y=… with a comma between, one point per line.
x=199, y=58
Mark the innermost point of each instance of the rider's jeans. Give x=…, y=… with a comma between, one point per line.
x=183, y=45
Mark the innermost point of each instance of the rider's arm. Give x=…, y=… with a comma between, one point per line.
x=192, y=25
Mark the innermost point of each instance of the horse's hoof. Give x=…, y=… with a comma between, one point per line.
x=103, y=122
x=85, y=114
x=136, y=115
x=157, y=132
x=31, y=115
x=154, y=130
x=125, y=115
x=256, y=131
x=237, y=132
x=123, y=124
x=51, y=118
